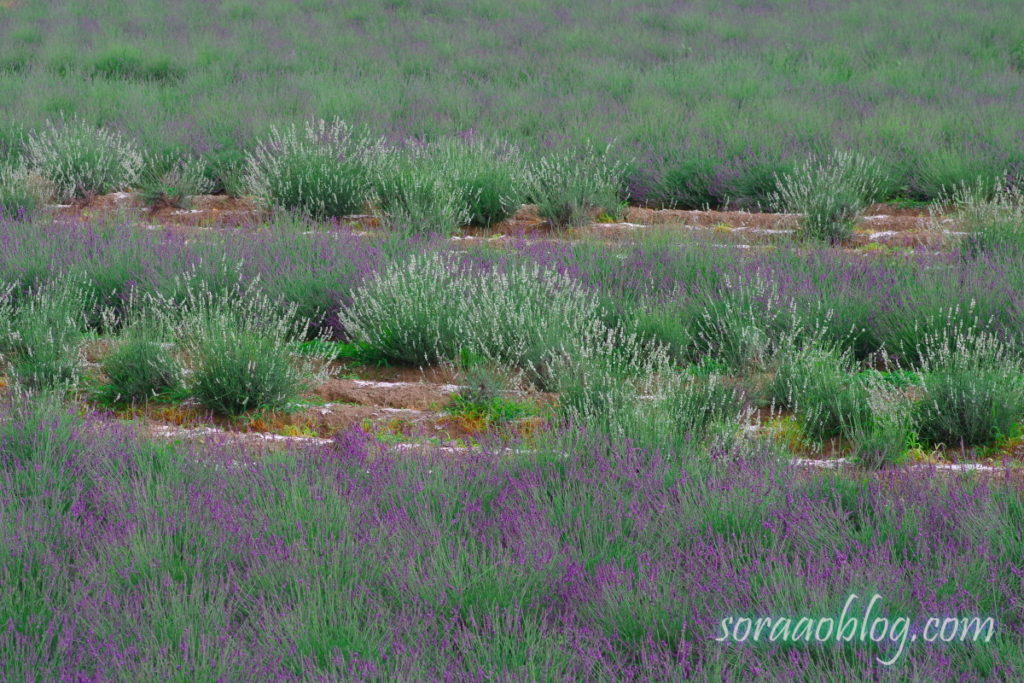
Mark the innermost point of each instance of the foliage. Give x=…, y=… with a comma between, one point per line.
x=241, y=346
x=487, y=173
x=972, y=390
x=79, y=160
x=711, y=109
x=572, y=187
x=416, y=195
x=429, y=308
x=819, y=382
x=170, y=181
x=141, y=366
x=881, y=435
x=323, y=170
x=992, y=215
x=22, y=192
x=829, y=193
x=42, y=334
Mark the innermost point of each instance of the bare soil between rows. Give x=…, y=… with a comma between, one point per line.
x=882, y=224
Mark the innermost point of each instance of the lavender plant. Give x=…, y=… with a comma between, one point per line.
x=819, y=382
x=742, y=324
x=78, y=160
x=323, y=170
x=829, y=193
x=171, y=181
x=488, y=173
x=572, y=187
x=430, y=308
x=142, y=365
x=417, y=194
x=609, y=380
x=348, y=561
x=22, y=193
x=881, y=435
x=992, y=216
x=42, y=334
x=240, y=344
x=972, y=389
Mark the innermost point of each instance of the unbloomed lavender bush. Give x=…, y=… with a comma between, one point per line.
x=142, y=364
x=418, y=193
x=241, y=344
x=972, y=389
x=41, y=335
x=571, y=187
x=170, y=181
x=829, y=194
x=78, y=160
x=820, y=383
x=323, y=170
x=488, y=173
x=992, y=214
x=429, y=308
x=22, y=193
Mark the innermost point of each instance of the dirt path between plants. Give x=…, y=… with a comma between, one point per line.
x=882, y=224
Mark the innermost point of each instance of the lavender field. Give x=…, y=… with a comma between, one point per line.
x=705, y=101
x=480, y=341
x=770, y=433
x=597, y=561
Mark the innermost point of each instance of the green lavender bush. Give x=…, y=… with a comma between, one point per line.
x=488, y=173
x=79, y=160
x=571, y=187
x=323, y=170
x=417, y=195
x=429, y=308
x=171, y=181
x=819, y=381
x=829, y=193
x=241, y=346
x=880, y=435
x=142, y=364
x=42, y=335
x=22, y=192
x=972, y=389
x=992, y=215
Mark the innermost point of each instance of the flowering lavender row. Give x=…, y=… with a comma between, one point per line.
x=587, y=560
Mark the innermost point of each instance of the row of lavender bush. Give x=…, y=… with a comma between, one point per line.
x=711, y=101
x=601, y=326
x=328, y=169
x=586, y=559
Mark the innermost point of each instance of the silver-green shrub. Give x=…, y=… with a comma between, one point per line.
x=41, y=335
x=570, y=187
x=22, y=192
x=830, y=193
x=992, y=215
x=141, y=366
x=972, y=389
x=323, y=169
x=431, y=308
x=488, y=173
x=241, y=346
x=417, y=194
x=819, y=381
x=78, y=159
x=880, y=435
x=171, y=181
